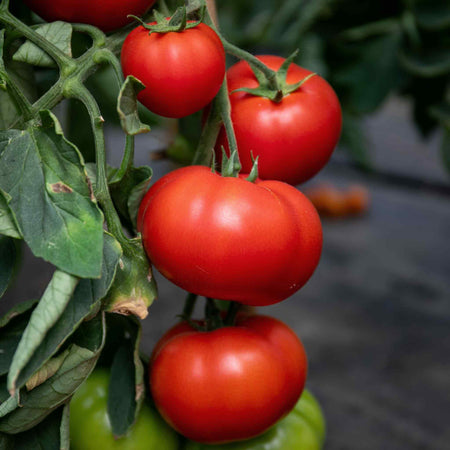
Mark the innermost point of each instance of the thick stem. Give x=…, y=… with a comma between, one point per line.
x=127, y=160
x=223, y=103
x=78, y=91
x=58, y=55
x=231, y=314
x=23, y=105
x=270, y=74
x=208, y=137
x=189, y=305
x=212, y=11
x=213, y=319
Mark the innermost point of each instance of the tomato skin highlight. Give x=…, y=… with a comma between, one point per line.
x=90, y=428
x=229, y=384
x=230, y=239
x=108, y=15
x=182, y=71
x=293, y=138
x=302, y=429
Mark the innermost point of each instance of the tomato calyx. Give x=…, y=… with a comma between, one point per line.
x=274, y=87
x=215, y=317
x=177, y=23
x=231, y=166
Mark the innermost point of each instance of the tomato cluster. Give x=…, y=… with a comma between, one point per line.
x=255, y=240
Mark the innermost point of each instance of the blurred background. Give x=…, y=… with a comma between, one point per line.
x=375, y=317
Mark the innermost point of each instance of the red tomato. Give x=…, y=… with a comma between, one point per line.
x=229, y=384
x=182, y=71
x=293, y=138
x=228, y=238
x=105, y=14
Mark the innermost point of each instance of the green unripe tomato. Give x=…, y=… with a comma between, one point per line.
x=90, y=428
x=302, y=429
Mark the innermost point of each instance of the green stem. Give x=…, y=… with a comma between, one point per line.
x=231, y=314
x=270, y=74
x=78, y=91
x=189, y=305
x=213, y=319
x=208, y=137
x=127, y=160
x=223, y=103
x=98, y=37
x=23, y=105
x=58, y=55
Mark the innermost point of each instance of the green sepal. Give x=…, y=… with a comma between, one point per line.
x=177, y=23
x=231, y=166
x=253, y=175
x=274, y=88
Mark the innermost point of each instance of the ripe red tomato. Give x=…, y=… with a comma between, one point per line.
x=105, y=14
x=230, y=239
x=182, y=71
x=293, y=138
x=229, y=384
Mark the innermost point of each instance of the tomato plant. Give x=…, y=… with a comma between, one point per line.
x=255, y=243
x=105, y=14
x=293, y=137
x=90, y=427
x=222, y=236
x=303, y=428
x=229, y=384
x=164, y=63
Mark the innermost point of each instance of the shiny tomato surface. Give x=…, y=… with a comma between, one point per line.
x=229, y=384
x=107, y=15
x=228, y=238
x=182, y=71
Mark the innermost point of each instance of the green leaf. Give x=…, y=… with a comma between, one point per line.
x=355, y=141
x=58, y=33
x=84, y=303
x=8, y=225
x=6, y=442
x=441, y=112
x=122, y=405
x=64, y=428
x=23, y=76
x=127, y=107
x=8, y=256
x=370, y=73
x=16, y=311
x=431, y=63
x=12, y=326
x=46, y=435
x=79, y=361
x=50, y=308
x=128, y=192
x=432, y=15
x=43, y=174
